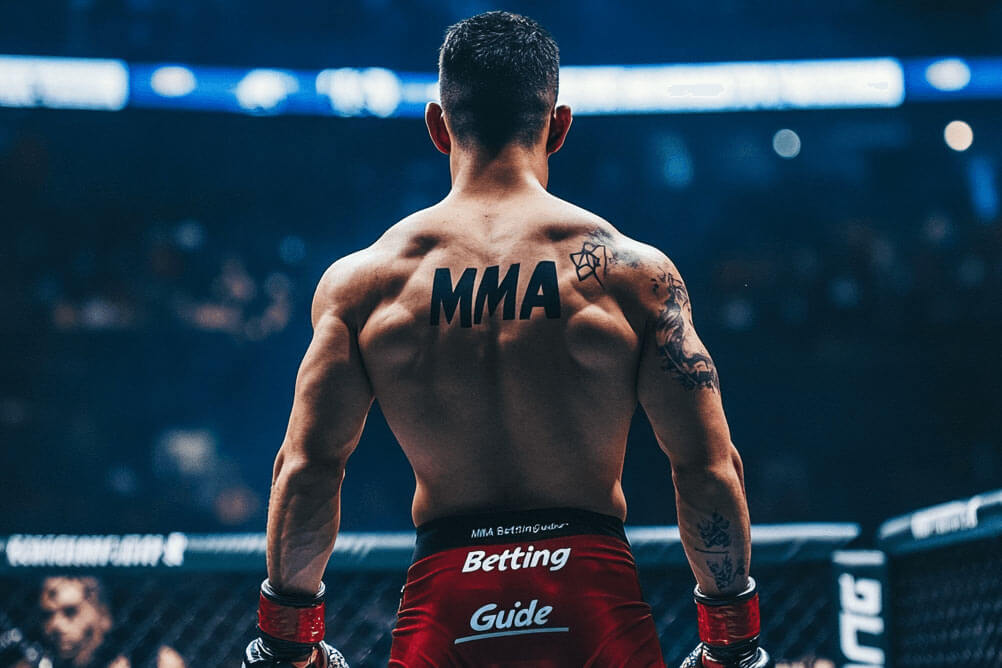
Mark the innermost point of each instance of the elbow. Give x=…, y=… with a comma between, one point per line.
x=738, y=465
x=725, y=468
x=299, y=470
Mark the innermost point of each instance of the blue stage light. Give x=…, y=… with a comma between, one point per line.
x=63, y=83
x=598, y=90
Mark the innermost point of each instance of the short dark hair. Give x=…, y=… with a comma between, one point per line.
x=498, y=74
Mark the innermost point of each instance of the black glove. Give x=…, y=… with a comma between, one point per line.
x=697, y=659
x=729, y=629
x=292, y=629
x=257, y=654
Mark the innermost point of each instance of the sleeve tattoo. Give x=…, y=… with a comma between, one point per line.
x=681, y=353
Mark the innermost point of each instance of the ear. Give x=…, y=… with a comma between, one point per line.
x=434, y=118
x=560, y=123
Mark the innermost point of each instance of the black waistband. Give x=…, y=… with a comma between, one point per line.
x=512, y=526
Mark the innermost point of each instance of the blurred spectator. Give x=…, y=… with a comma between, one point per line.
x=79, y=628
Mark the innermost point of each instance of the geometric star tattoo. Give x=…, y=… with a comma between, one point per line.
x=588, y=260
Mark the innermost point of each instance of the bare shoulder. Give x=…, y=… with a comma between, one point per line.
x=633, y=270
x=352, y=285
x=339, y=291
x=646, y=273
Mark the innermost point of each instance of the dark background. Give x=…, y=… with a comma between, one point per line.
x=156, y=268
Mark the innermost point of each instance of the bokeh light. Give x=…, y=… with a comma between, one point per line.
x=786, y=143
x=958, y=135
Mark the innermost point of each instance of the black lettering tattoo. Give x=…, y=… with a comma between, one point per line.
x=443, y=295
x=679, y=349
x=714, y=531
x=542, y=291
x=724, y=573
x=493, y=293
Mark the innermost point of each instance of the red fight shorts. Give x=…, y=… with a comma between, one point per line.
x=554, y=588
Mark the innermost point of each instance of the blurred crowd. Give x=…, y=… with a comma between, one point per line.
x=212, y=292
x=404, y=35
x=943, y=269
x=158, y=271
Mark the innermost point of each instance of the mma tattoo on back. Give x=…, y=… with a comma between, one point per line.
x=541, y=292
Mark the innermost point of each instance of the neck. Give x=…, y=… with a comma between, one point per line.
x=512, y=169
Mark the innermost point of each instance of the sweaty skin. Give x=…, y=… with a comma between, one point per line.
x=518, y=409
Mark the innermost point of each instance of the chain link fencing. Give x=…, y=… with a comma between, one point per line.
x=198, y=594
x=944, y=578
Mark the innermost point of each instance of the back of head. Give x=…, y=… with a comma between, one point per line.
x=498, y=77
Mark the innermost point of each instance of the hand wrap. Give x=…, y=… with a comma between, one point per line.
x=292, y=630
x=293, y=624
x=729, y=629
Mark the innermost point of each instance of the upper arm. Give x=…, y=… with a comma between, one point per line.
x=677, y=381
x=333, y=394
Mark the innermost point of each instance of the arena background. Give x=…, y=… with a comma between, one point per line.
x=157, y=261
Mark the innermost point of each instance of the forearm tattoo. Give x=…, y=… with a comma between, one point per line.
x=681, y=353
x=723, y=571
x=714, y=531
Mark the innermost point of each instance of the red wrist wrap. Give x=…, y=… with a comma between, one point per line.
x=723, y=625
x=305, y=625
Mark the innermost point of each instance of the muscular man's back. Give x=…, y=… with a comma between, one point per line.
x=508, y=337
x=500, y=355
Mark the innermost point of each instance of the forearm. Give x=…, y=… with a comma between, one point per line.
x=303, y=517
x=714, y=526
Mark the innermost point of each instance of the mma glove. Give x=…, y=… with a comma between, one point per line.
x=291, y=630
x=729, y=629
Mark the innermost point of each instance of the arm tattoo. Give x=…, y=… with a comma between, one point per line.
x=598, y=253
x=681, y=356
x=679, y=349
x=616, y=256
x=724, y=573
x=714, y=531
